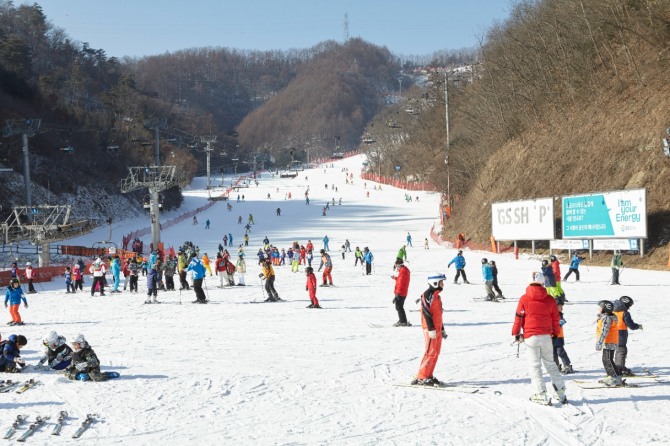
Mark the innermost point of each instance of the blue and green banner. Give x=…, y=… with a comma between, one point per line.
x=618, y=214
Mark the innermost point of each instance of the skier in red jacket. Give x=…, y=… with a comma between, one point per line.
x=433, y=331
x=400, y=292
x=535, y=323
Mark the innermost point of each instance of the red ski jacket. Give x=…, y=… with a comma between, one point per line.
x=536, y=313
x=402, y=281
x=431, y=310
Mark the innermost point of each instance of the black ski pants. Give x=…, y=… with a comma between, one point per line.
x=570, y=271
x=608, y=363
x=400, y=308
x=101, y=280
x=133, y=283
x=199, y=293
x=559, y=352
x=621, y=351
x=270, y=287
x=460, y=272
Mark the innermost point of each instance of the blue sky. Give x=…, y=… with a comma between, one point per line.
x=146, y=27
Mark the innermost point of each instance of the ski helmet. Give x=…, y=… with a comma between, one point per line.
x=606, y=306
x=434, y=279
x=459, y=252
x=81, y=340
x=485, y=260
x=50, y=340
x=29, y=264
x=552, y=258
x=309, y=270
x=537, y=277
x=545, y=262
x=627, y=301
x=14, y=281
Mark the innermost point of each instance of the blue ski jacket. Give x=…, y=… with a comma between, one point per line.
x=576, y=260
x=10, y=351
x=197, y=267
x=14, y=296
x=459, y=260
x=487, y=272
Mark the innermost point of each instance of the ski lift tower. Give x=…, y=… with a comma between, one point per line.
x=209, y=140
x=156, y=179
x=27, y=128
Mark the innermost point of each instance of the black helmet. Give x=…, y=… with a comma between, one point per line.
x=552, y=257
x=607, y=306
x=485, y=260
x=14, y=281
x=627, y=301
x=309, y=270
x=545, y=262
x=459, y=252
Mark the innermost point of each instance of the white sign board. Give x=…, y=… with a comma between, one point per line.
x=618, y=214
x=569, y=244
x=615, y=243
x=523, y=220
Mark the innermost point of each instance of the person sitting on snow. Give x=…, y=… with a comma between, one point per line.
x=84, y=360
x=57, y=355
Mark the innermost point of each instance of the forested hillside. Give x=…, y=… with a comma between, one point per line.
x=570, y=97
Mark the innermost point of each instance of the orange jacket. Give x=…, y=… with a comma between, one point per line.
x=621, y=324
x=431, y=310
x=607, y=326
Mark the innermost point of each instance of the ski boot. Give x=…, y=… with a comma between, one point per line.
x=541, y=398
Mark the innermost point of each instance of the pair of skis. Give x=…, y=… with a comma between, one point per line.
x=9, y=385
x=40, y=421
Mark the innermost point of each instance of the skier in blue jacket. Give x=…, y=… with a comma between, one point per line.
x=459, y=260
x=116, y=273
x=574, y=267
x=198, y=270
x=13, y=296
x=487, y=273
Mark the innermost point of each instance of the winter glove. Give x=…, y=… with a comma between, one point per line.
x=432, y=334
x=444, y=335
x=599, y=346
x=19, y=360
x=26, y=304
x=518, y=338
x=562, y=322
x=393, y=277
x=260, y=275
x=448, y=266
x=639, y=327
x=80, y=366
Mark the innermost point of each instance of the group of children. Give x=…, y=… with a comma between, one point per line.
x=78, y=362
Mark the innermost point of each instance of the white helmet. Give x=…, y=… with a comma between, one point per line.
x=81, y=340
x=537, y=277
x=29, y=264
x=50, y=340
x=434, y=279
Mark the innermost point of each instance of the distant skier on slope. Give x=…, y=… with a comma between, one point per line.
x=459, y=261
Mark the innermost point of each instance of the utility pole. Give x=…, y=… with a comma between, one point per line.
x=446, y=113
x=27, y=128
x=156, y=124
x=209, y=140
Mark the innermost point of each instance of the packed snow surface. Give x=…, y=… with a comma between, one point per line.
x=237, y=371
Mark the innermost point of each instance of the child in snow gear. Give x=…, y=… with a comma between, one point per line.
x=487, y=273
x=152, y=285
x=459, y=261
x=78, y=277
x=358, y=256
x=556, y=268
x=97, y=269
x=574, y=267
x=607, y=340
x=84, y=360
x=558, y=342
x=11, y=360
x=327, y=278
x=68, y=280
x=535, y=322
x=310, y=286
x=625, y=321
x=57, y=354
x=549, y=279
x=29, y=274
x=433, y=330
x=115, y=267
x=400, y=292
x=13, y=296
x=402, y=253
x=205, y=261
x=617, y=265
x=170, y=271
x=269, y=275
x=182, y=264
x=494, y=271
x=134, y=271
x=368, y=258
x=241, y=269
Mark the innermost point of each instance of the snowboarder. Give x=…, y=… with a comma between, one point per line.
x=459, y=261
x=607, y=340
x=13, y=296
x=535, y=322
x=625, y=321
x=84, y=360
x=310, y=286
x=400, y=292
x=574, y=267
x=433, y=330
x=11, y=360
x=57, y=354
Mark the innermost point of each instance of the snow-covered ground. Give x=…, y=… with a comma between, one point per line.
x=233, y=372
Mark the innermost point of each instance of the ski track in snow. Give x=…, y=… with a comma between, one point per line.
x=281, y=374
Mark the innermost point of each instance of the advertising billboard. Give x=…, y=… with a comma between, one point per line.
x=618, y=214
x=523, y=220
x=569, y=244
x=616, y=244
